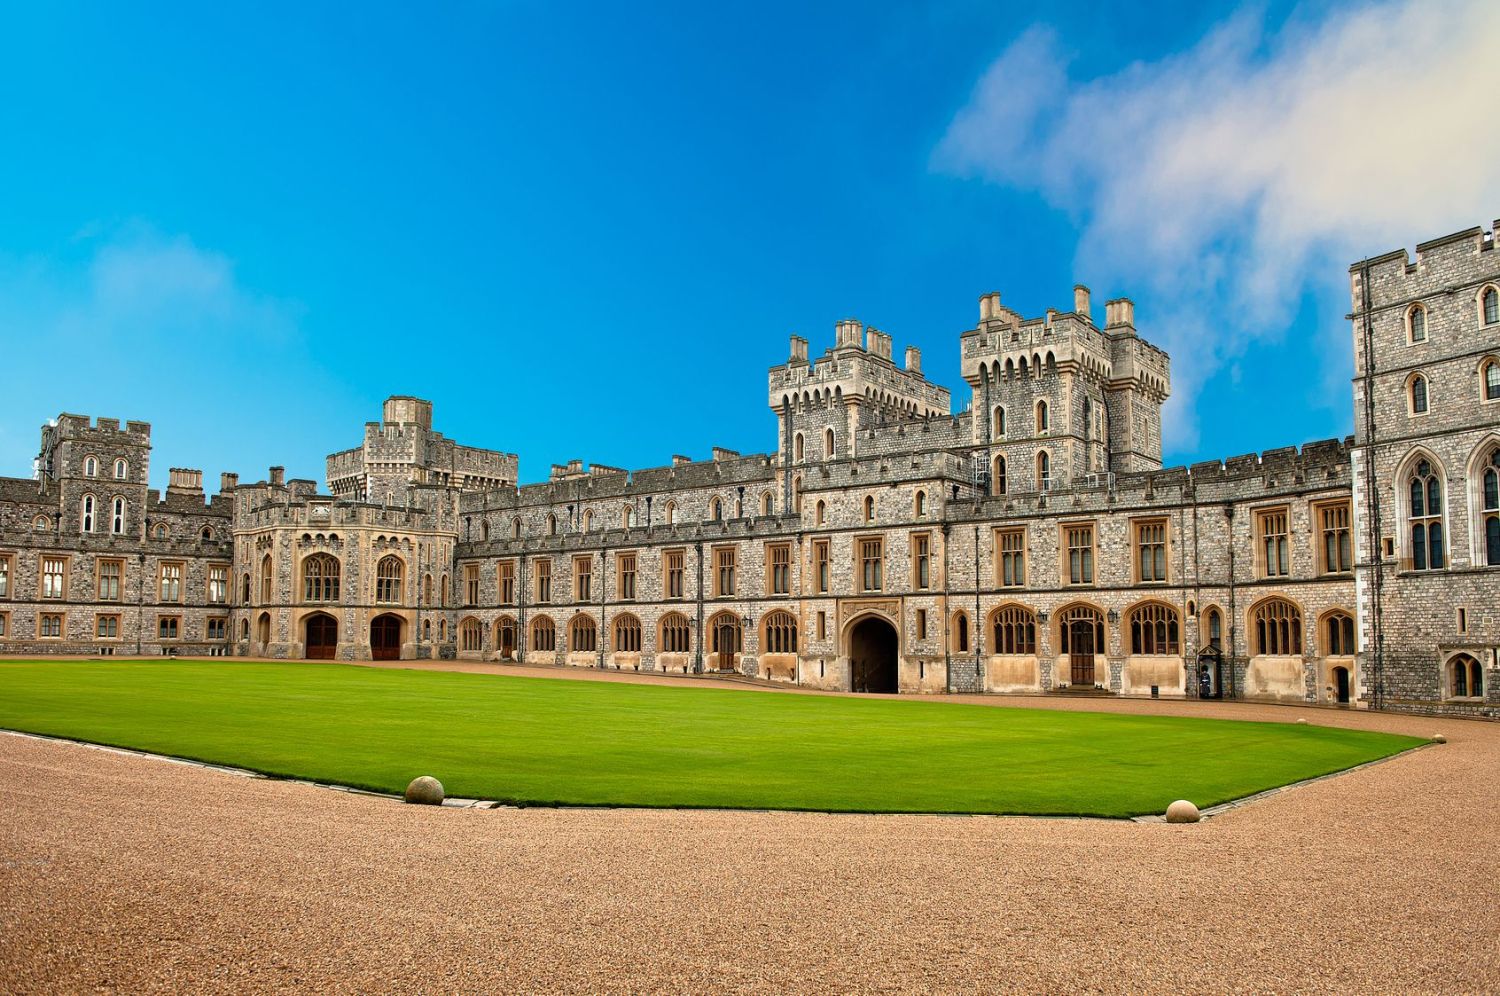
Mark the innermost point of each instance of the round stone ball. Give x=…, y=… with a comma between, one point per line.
x=1438, y=738
x=1302, y=721
x=425, y=791
x=1182, y=811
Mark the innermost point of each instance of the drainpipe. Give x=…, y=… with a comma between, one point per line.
x=977, y=627
x=1234, y=645
x=698, y=646
x=1377, y=555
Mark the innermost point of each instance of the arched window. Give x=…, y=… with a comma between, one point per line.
x=388, y=574
x=1041, y=417
x=88, y=513
x=1154, y=630
x=1425, y=492
x=551, y=524
x=442, y=594
x=543, y=634
x=40, y=523
x=588, y=520
x=91, y=467
x=781, y=633
x=999, y=422
x=121, y=469
x=1416, y=394
x=583, y=635
x=1489, y=508
x=1489, y=380
x=471, y=634
x=1015, y=630
x=1044, y=470
x=244, y=629
x=1078, y=624
x=670, y=515
x=1416, y=324
x=1277, y=626
x=822, y=513
x=997, y=481
x=427, y=589
x=828, y=444
x=960, y=633
x=1465, y=677
x=117, y=516
x=515, y=528
x=245, y=589
x=627, y=517
x=798, y=448
x=265, y=580
x=797, y=495
x=676, y=635
x=320, y=578
x=921, y=504
x=627, y=634
x=1213, y=624
x=767, y=504
x=263, y=628
x=1338, y=635
x=1489, y=306
x=869, y=508
x=716, y=510
x=161, y=532
x=484, y=530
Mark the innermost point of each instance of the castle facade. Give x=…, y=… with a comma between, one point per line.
x=1032, y=543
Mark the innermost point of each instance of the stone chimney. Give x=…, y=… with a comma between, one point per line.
x=183, y=479
x=1081, y=300
x=913, y=359
x=799, y=350
x=877, y=343
x=278, y=477
x=228, y=482
x=847, y=333
x=1119, y=312
x=679, y=460
x=720, y=454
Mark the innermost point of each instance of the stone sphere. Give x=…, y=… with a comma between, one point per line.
x=1438, y=738
x=425, y=791
x=1302, y=721
x=1182, y=811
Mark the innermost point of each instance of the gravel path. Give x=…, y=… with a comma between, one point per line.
x=125, y=873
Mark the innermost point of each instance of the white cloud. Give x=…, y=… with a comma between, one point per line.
x=1226, y=181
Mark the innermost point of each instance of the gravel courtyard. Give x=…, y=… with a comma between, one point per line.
x=126, y=873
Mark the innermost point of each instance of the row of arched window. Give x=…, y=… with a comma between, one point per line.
x=1000, y=473
x=1486, y=306
x=1419, y=398
x=91, y=468
x=1042, y=415
x=674, y=633
x=1422, y=508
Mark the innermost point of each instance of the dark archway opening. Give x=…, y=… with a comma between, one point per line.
x=1341, y=684
x=385, y=638
x=872, y=657
x=322, y=637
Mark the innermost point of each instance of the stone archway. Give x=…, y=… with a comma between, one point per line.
x=321, y=632
x=873, y=650
x=385, y=637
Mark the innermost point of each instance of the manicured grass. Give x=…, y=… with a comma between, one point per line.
x=540, y=741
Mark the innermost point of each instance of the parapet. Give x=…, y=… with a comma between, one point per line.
x=1437, y=263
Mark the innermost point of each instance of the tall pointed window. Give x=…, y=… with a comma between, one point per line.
x=1416, y=323
x=1489, y=493
x=999, y=427
x=1044, y=470
x=320, y=578
x=1418, y=395
x=1425, y=492
x=998, y=480
x=1489, y=305
x=388, y=580
x=117, y=516
x=1041, y=417
x=1489, y=379
x=88, y=513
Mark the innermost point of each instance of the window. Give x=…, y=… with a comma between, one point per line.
x=91, y=467
x=1416, y=324
x=320, y=578
x=1489, y=379
x=588, y=520
x=716, y=510
x=470, y=635
x=998, y=423
x=869, y=508
x=107, y=627
x=820, y=566
x=780, y=558
x=1011, y=559
x=121, y=469
x=627, y=517
x=1338, y=629
x=1417, y=395
x=1078, y=543
x=724, y=568
x=471, y=584
x=997, y=482
x=822, y=630
x=515, y=528
x=161, y=532
x=871, y=560
x=669, y=515
x=110, y=574
x=1153, y=630
x=781, y=633
x=1426, y=508
x=49, y=626
x=1489, y=511
x=541, y=573
x=167, y=627
x=583, y=636
x=4, y=577
x=675, y=633
x=821, y=515
x=54, y=577
x=88, y=514
x=921, y=624
x=828, y=444
x=627, y=634
x=265, y=580
x=1337, y=553
x=1044, y=470
x=505, y=572
x=583, y=578
x=117, y=516
x=1214, y=624
x=798, y=448
x=1041, y=417
x=1489, y=306
x=551, y=524
x=543, y=634
x=1275, y=549
x=1465, y=678
x=1015, y=630
x=626, y=581
x=767, y=504
x=674, y=572
x=921, y=560
x=4, y=625
x=388, y=576
x=1151, y=552
x=216, y=628
x=1277, y=627
x=218, y=583
x=920, y=505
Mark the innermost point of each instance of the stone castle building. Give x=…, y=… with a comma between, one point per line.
x=1031, y=543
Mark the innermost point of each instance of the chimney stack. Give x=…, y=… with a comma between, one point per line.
x=799, y=349
x=183, y=479
x=847, y=333
x=1119, y=312
x=278, y=477
x=228, y=482
x=1081, y=300
x=913, y=359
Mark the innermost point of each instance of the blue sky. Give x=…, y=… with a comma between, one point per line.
x=586, y=230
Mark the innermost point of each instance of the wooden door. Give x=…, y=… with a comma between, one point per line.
x=1081, y=652
x=385, y=638
x=322, y=638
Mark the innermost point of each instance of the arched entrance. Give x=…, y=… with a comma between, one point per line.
x=1341, y=684
x=385, y=637
x=322, y=636
x=872, y=656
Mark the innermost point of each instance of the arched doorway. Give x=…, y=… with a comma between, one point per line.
x=1341, y=684
x=385, y=637
x=872, y=656
x=322, y=632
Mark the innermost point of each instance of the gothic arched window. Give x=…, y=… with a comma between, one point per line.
x=1425, y=492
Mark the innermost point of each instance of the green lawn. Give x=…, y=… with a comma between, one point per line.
x=540, y=741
